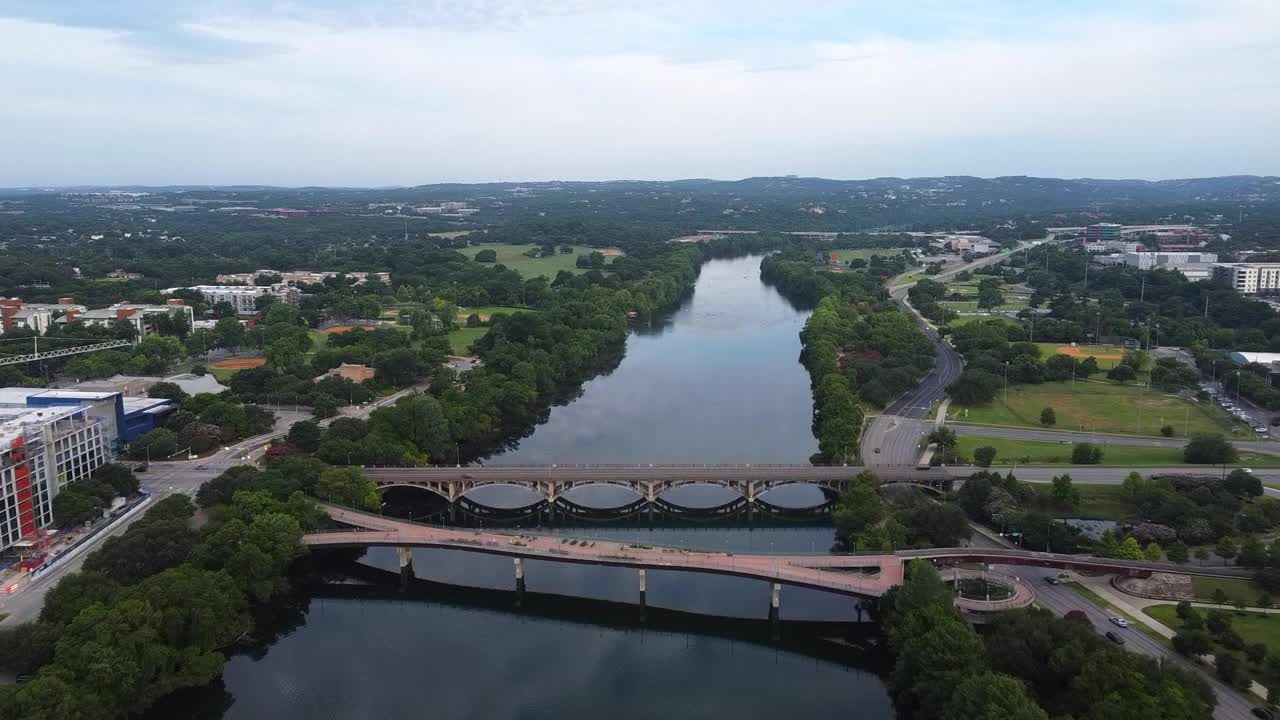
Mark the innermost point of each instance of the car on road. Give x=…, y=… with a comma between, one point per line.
x=1275, y=421
x=1051, y=580
x=1115, y=638
x=140, y=468
x=1118, y=621
x=1261, y=712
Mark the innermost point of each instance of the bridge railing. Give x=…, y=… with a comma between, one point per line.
x=568, y=535
x=647, y=556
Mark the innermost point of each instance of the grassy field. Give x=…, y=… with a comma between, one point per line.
x=960, y=306
x=1245, y=590
x=966, y=319
x=1045, y=452
x=513, y=256
x=487, y=311
x=222, y=375
x=1098, y=501
x=1252, y=626
x=450, y=234
x=461, y=338
x=1096, y=406
x=845, y=255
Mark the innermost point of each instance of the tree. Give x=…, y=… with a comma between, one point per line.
x=1229, y=669
x=1152, y=552
x=487, y=255
x=1264, y=601
x=397, y=367
x=1220, y=596
x=1202, y=554
x=1242, y=484
x=324, y=406
x=1208, y=449
x=1065, y=494
x=1129, y=549
x=1256, y=653
x=1251, y=553
x=1192, y=643
x=991, y=695
x=1121, y=373
x=155, y=445
x=167, y=391
x=74, y=593
x=1048, y=417
x=228, y=332
x=1226, y=548
x=859, y=507
x=984, y=456
x=1167, y=431
x=1178, y=553
x=1086, y=454
x=305, y=435
x=348, y=486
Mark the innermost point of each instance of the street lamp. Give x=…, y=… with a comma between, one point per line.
x=1006, y=383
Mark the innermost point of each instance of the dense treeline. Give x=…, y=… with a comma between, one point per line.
x=854, y=348
x=1027, y=665
x=155, y=608
x=866, y=519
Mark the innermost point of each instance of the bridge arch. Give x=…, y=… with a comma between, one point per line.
x=425, y=487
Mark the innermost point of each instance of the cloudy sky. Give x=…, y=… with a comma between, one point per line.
x=387, y=92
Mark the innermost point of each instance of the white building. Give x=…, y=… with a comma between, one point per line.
x=143, y=318
x=1251, y=278
x=38, y=317
x=244, y=298
x=1167, y=260
x=41, y=452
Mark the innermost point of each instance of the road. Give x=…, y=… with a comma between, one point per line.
x=165, y=478
x=894, y=437
x=1232, y=705
x=1073, y=436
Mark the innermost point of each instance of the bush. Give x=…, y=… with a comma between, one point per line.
x=984, y=456
x=1208, y=449
x=1167, y=431
x=155, y=445
x=487, y=255
x=1086, y=454
x=1048, y=417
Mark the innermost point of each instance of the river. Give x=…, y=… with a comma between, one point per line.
x=717, y=382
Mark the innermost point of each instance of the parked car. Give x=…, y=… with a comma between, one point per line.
x=1119, y=621
x=1115, y=638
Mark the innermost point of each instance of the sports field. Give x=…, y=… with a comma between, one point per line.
x=1097, y=407
x=847, y=254
x=966, y=319
x=1108, y=356
x=513, y=256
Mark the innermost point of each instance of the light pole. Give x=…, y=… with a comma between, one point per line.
x=1006, y=383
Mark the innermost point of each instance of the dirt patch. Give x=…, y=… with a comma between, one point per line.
x=239, y=363
x=336, y=329
x=1161, y=585
x=1078, y=353
x=610, y=252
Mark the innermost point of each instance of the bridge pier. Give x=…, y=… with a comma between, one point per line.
x=453, y=512
x=519, y=563
x=643, y=602
x=775, y=596
x=406, y=566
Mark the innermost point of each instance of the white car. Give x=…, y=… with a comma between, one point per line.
x=1119, y=622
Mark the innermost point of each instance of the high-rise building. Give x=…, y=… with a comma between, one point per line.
x=41, y=452
x=1103, y=232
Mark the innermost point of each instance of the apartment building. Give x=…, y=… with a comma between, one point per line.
x=41, y=452
x=244, y=298
x=38, y=317
x=144, y=318
x=1251, y=278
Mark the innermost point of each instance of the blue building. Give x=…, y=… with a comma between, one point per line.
x=125, y=419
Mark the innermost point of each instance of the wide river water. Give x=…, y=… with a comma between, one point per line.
x=718, y=382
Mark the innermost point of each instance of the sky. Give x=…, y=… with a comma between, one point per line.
x=407, y=92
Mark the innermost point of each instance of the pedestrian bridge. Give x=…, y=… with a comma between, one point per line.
x=858, y=575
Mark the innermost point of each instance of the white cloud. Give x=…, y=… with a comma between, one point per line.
x=564, y=90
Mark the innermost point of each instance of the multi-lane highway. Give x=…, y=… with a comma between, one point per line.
x=1072, y=436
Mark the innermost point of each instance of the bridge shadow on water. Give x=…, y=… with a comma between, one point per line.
x=853, y=644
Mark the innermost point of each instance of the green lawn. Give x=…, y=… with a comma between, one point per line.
x=513, y=256
x=1245, y=590
x=222, y=375
x=487, y=311
x=845, y=255
x=1096, y=406
x=1045, y=452
x=966, y=319
x=1134, y=623
x=960, y=306
x=1253, y=627
x=461, y=339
